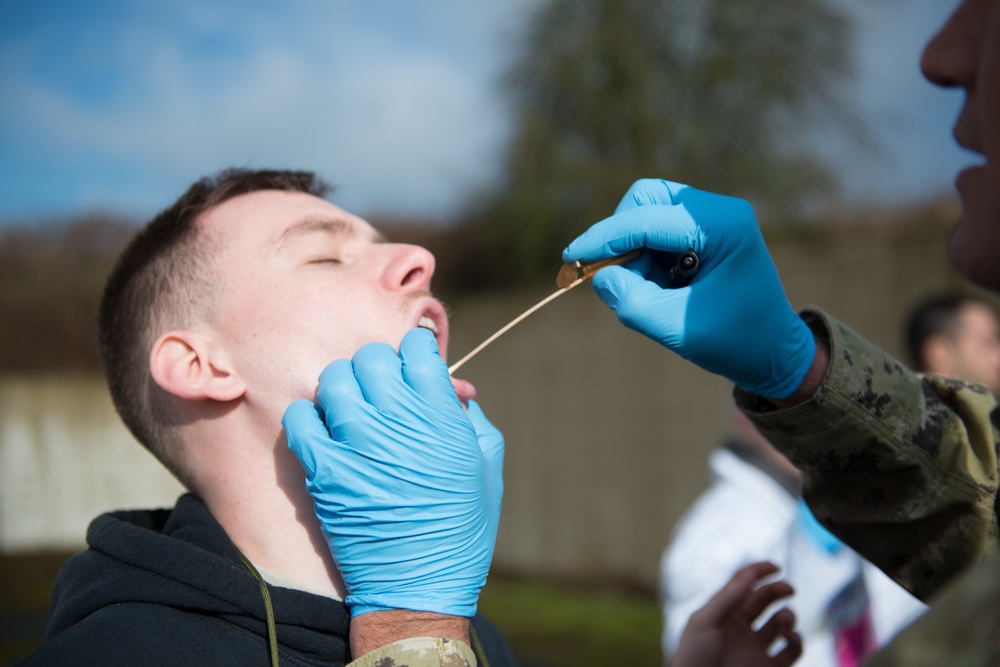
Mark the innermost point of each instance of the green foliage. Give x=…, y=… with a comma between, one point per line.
x=26, y=581
x=556, y=624
x=716, y=93
x=51, y=277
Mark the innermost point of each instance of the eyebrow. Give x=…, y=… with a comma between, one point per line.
x=331, y=226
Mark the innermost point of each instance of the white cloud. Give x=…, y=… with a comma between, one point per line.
x=398, y=107
x=402, y=130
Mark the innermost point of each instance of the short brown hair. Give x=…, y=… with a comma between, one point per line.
x=163, y=279
x=938, y=315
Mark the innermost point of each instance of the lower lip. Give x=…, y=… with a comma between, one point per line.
x=966, y=175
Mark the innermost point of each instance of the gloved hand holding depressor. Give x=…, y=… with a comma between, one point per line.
x=406, y=483
x=733, y=319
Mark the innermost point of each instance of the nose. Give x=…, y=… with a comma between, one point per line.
x=409, y=268
x=951, y=56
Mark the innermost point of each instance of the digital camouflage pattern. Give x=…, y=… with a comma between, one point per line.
x=901, y=467
x=904, y=468
x=419, y=652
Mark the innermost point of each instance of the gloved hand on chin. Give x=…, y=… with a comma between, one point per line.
x=406, y=483
x=733, y=318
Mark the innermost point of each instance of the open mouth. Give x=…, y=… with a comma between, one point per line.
x=427, y=323
x=432, y=317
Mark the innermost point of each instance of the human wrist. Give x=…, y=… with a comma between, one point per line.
x=378, y=628
x=813, y=379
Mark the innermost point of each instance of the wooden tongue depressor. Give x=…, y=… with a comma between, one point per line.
x=570, y=275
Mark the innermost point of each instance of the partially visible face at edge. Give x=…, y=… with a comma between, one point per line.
x=976, y=346
x=305, y=283
x=965, y=53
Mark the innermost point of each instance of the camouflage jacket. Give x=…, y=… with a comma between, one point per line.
x=904, y=468
x=419, y=652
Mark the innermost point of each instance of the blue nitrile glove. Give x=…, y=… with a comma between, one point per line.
x=733, y=319
x=817, y=532
x=406, y=484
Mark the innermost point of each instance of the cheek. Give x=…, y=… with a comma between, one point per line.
x=988, y=89
x=287, y=339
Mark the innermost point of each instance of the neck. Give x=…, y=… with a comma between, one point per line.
x=258, y=495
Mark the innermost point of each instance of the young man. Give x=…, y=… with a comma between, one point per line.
x=220, y=313
x=957, y=336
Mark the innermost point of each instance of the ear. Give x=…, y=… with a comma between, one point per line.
x=939, y=355
x=187, y=364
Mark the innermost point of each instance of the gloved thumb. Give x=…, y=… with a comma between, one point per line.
x=426, y=373
x=637, y=301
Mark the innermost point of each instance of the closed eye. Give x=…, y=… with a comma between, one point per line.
x=325, y=260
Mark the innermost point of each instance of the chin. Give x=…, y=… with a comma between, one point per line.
x=976, y=257
x=974, y=250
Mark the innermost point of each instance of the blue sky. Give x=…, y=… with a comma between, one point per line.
x=119, y=105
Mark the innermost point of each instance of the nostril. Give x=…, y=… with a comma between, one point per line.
x=414, y=275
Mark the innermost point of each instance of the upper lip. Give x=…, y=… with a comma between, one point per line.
x=966, y=144
x=432, y=309
x=965, y=134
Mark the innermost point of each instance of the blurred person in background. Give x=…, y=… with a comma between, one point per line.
x=753, y=510
x=958, y=336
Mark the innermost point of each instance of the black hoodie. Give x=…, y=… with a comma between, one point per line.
x=167, y=587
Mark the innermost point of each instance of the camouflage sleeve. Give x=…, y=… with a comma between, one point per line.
x=901, y=467
x=419, y=652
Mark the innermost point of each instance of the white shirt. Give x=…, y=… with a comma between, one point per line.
x=746, y=516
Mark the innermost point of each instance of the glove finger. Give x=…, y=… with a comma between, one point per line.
x=649, y=192
x=490, y=438
x=378, y=370
x=642, y=305
x=305, y=432
x=426, y=373
x=662, y=227
x=339, y=395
